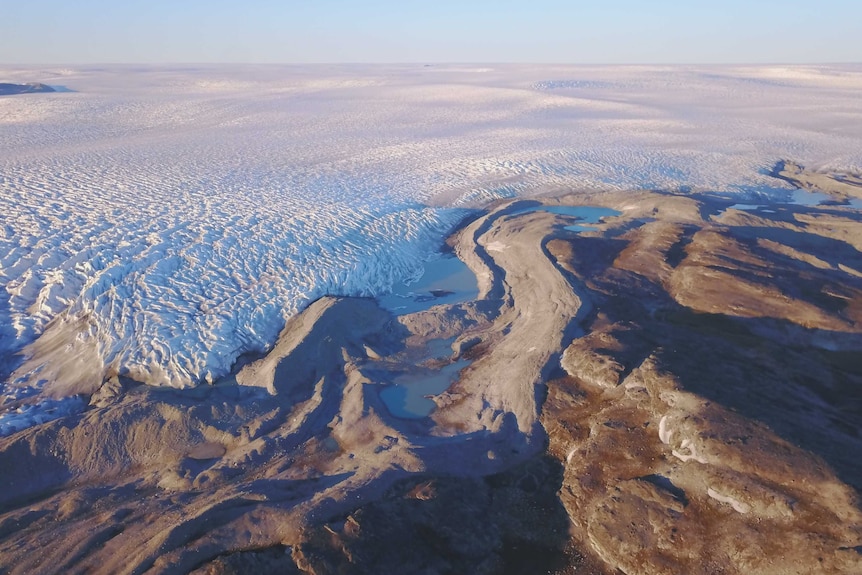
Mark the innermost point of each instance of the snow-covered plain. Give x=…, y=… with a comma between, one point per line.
x=160, y=222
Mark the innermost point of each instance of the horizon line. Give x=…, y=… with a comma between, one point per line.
x=430, y=63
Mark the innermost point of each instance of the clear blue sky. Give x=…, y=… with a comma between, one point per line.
x=600, y=31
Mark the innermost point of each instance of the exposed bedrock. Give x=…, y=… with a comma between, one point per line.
x=676, y=391
x=840, y=186
x=706, y=411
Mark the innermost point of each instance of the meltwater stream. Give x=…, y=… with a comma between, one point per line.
x=160, y=222
x=585, y=215
x=445, y=281
x=448, y=281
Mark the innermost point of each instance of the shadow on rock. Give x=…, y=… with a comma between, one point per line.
x=507, y=523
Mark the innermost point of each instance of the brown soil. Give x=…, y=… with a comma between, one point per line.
x=675, y=392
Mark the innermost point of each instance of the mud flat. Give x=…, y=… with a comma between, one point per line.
x=676, y=390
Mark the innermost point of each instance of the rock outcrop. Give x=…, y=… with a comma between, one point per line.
x=676, y=391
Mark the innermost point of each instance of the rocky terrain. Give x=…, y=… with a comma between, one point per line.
x=30, y=88
x=841, y=187
x=678, y=390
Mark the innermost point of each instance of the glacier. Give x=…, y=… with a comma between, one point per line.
x=159, y=222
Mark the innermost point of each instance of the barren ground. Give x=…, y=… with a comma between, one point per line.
x=678, y=391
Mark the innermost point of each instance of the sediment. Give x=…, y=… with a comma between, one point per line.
x=677, y=391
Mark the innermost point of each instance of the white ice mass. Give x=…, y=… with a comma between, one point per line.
x=159, y=222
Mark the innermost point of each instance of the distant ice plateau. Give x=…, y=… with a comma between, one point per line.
x=160, y=222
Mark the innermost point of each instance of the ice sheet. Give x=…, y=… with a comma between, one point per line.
x=159, y=222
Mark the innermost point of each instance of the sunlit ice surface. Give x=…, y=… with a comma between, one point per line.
x=159, y=222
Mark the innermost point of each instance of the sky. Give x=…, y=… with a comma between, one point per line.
x=540, y=31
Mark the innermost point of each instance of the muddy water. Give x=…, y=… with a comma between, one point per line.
x=446, y=281
x=449, y=281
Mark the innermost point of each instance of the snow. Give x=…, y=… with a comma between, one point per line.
x=692, y=454
x=664, y=434
x=737, y=505
x=160, y=221
x=41, y=412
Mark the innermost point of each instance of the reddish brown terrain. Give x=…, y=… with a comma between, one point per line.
x=676, y=391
